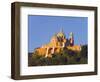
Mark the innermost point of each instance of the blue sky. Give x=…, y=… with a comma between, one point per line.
x=42, y=28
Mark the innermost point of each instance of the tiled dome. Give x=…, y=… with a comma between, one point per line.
x=60, y=34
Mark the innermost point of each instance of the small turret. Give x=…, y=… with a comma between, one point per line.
x=71, y=39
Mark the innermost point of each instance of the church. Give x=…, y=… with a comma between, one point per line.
x=57, y=43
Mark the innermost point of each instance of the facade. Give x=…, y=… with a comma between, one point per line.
x=57, y=43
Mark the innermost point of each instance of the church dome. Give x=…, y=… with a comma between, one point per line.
x=61, y=34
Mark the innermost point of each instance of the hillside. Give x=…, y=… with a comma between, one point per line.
x=65, y=57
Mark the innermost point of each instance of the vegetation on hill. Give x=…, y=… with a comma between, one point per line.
x=65, y=57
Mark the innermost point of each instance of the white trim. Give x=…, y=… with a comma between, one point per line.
x=25, y=70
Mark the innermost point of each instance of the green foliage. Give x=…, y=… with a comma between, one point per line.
x=65, y=57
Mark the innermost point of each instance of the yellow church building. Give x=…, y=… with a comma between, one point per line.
x=57, y=43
